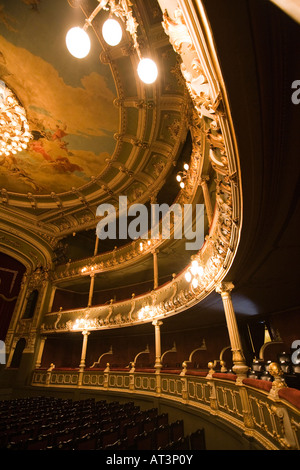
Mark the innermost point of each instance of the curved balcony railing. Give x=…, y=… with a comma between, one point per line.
x=263, y=411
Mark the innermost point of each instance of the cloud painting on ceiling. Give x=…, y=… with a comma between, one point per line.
x=69, y=102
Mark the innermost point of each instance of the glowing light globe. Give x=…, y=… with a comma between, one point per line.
x=112, y=32
x=147, y=71
x=78, y=42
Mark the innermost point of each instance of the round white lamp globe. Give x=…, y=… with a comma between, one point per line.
x=112, y=32
x=147, y=71
x=78, y=42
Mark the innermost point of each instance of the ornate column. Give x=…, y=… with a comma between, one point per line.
x=83, y=351
x=96, y=246
x=40, y=352
x=207, y=201
x=158, y=365
x=239, y=368
x=155, y=269
x=52, y=295
x=91, y=292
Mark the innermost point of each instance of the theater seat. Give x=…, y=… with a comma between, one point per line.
x=197, y=440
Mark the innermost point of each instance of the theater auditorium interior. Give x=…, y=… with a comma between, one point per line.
x=125, y=338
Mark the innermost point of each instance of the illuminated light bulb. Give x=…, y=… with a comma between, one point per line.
x=78, y=42
x=194, y=268
x=141, y=315
x=147, y=71
x=112, y=32
x=149, y=242
x=182, y=184
x=186, y=166
x=200, y=271
x=178, y=177
x=188, y=276
x=141, y=246
x=195, y=283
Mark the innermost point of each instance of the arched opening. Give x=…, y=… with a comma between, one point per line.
x=16, y=360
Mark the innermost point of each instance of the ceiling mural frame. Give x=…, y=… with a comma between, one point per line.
x=59, y=214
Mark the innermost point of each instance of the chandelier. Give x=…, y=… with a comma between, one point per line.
x=182, y=175
x=14, y=128
x=79, y=44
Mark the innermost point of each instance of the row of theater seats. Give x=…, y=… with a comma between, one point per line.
x=47, y=423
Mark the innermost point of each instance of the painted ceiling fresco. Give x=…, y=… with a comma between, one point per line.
x=69, y=102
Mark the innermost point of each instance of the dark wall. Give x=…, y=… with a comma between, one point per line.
x=64, y=350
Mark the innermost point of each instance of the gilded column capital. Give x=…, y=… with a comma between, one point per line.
x=157, y=323
x=203, y=179
x=224, y=287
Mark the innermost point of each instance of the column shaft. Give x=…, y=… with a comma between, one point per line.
x=83, y=350
x=91, y=292
x=155, y=269
x=40, y=352
x=207, y=200
x=157, y=324
x=238, y=359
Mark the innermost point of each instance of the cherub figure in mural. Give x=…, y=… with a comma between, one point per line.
x=59, y=133
x=49, y=144
x=63, y=165
x=32, y=3
x=10, y=164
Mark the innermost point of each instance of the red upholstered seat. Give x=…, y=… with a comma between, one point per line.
x=292, y=395
x=260, y=384
x=222, y=375
x=171, y=371
x=201, y=373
